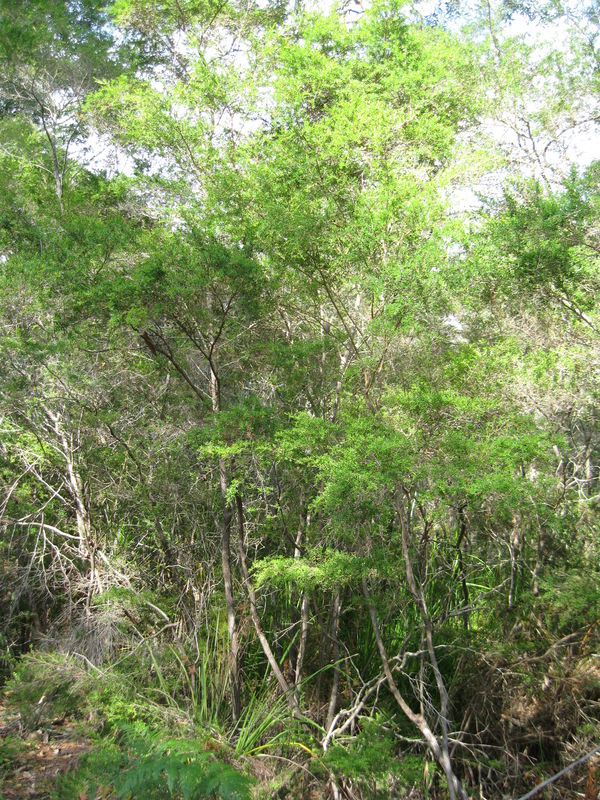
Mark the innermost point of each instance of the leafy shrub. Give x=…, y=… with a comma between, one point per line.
x=47, y=685
x=371, y=760
x=571, y=600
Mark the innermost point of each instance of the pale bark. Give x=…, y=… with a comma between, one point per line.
x=304, y=613
x=232, y=626
x=86, y=544
x=304, y=625
x=256, y=621
x=440, y=751
x=335, y=622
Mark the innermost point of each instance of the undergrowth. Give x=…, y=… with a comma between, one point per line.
x=10, y=747
x=138, y=762
x=371, y=761
x=144, y=748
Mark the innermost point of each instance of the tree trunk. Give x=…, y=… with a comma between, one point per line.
x=256, y=621
x=232, y=627
x=304, y=613
x=440, y=752
x=416, y=589
x=335, y=622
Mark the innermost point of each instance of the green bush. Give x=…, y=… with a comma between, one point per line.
x=371, y=760
x=48, y=685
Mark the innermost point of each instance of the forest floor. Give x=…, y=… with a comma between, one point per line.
x=31, y=764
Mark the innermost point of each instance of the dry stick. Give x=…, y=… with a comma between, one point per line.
x=75, y=485
x=558, y=775
x=44, y=525
x=87, y=544
x=352, y=713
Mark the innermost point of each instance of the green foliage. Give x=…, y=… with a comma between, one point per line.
x=570, y=601
x=551, y=238
x=266, y=335
x=48, y=685
x=371, y=760
x=325, y=571
x=10, y=747
x=368, y=756
x=68, y=41
x=135, y=755
x=141, y=763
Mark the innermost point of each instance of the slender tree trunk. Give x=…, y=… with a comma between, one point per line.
x=462, y=533
x=256, y=621
x=539, y=564
x=82, y=515
x=514, y=544
x=335, y=622
x=416, y=589
x=304, y=612
x=440, y=753
x=304, y=625
x=232, y=626
x=56, y=168
x=588, y=465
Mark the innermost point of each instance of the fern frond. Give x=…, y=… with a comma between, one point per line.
x=175, y=768
x=149, y=767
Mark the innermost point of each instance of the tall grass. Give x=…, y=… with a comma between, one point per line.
x=262, y=723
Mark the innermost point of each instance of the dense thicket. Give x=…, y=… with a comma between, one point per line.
x=299, y=363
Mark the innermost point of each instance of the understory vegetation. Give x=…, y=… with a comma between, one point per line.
x=299, y=406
